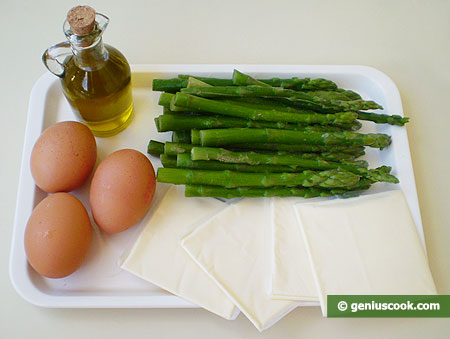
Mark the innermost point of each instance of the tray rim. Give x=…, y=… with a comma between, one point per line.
x=24, y=202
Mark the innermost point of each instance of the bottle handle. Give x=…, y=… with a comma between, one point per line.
x=56, y=56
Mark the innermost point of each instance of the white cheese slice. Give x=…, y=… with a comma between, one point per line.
x=291, y=273
x=365, y=245
x=158, y=257
x=231, y=248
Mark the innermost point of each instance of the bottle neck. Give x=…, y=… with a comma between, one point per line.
x=91, y=57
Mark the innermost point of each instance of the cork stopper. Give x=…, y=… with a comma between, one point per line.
x=81, y=20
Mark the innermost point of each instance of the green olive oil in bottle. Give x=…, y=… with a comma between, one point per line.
x=95, y=77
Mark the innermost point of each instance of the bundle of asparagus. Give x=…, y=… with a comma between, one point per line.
x=244, y=137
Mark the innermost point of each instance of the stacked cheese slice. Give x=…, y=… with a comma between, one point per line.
x=268, y=256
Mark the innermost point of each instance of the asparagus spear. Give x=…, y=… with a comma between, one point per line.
x=184, y=161
x=293, y=83
x=336, y=95
x=319, y=161
x=265, y=103
x=169, y=85
x=308, y=84
x=168, y=161
x=195, y=137
x=155, y=147
x=166, y=98
x=190, y=101
x=193, y=82
x=260, y=103
x=349, y=93
x=255, y=192
x=356, y=151
x=259, y=91
x=182, y=136
x=330, y=156
x=180, y=122
x=313, y=162
x=327, y=179
x=241, y=79
x=174, y=148
x=383, y=118
x=229, y=136
x=175, y=84
x=249, y=103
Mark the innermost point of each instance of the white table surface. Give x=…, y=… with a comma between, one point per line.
x=408, y=40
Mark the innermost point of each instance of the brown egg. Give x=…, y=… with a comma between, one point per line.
x=63, y=157
x=122, y=190
x=58, y=236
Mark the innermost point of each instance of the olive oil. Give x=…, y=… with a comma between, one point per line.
x=101, y=95
x=95, y=77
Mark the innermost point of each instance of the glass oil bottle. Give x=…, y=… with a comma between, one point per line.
x=95, y=77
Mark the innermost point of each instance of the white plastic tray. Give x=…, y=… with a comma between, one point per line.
x=100, y=282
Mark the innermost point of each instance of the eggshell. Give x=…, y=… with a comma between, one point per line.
x=122, y=190
x=58, y=236
x=63, y=157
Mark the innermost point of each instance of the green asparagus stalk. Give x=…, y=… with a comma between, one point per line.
x=241, y=79
x=349, y=93
x=311, y=161
x=255, y=192
x=274, y=92
x=166, y=98
x=193, y=82
x=180, y=122
x=214, y=106
x=261, y=103
x=306, y=84
x=229, y=179
x=174, y=148
x=356, y=151
x=266, y=104
x=169, y=85
x=167, y=111
x=195, y=137
x=330, y=156
x=317, y=163
x=293, y=83
x=229, y=136
x=383, y=118
x=184, y=161
x=336, y=95
x=175, y=84
x=182, y=136
x=168, y=161
x=155, y=147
